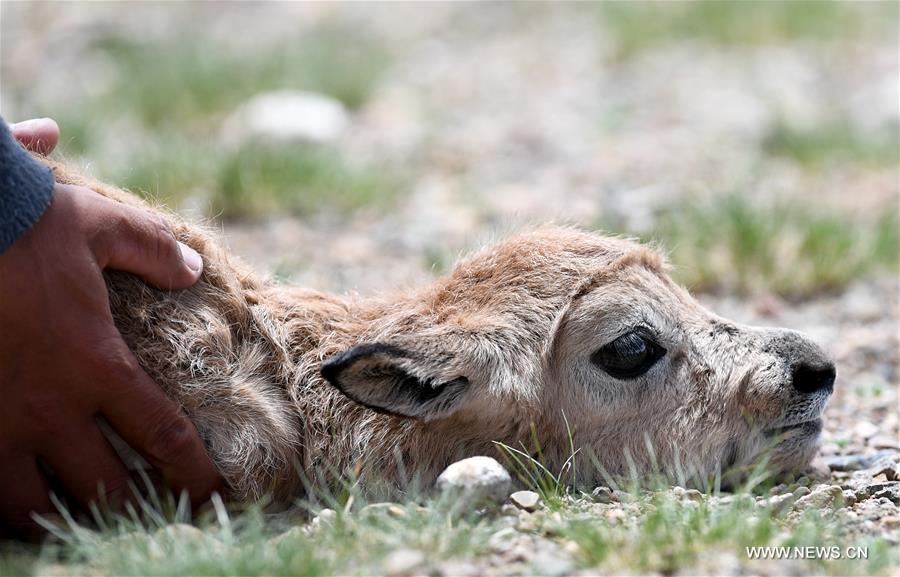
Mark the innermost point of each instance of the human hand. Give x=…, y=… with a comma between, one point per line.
x=63, y=363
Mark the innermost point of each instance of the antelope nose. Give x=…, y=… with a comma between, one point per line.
x=808, y=379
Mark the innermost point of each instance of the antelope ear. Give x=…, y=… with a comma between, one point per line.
x=389, y=379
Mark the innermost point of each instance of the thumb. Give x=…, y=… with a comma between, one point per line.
x=143, y=243
x=37, y=135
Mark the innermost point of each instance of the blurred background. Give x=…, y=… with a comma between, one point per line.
x=364, y=146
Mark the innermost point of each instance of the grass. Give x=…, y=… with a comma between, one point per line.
x=658, y=532
x=731, y=244
x=835, y=143
x=639, y=26
x=186, y=79
x=671, y=535
x=256, y=179
x=164, y=103
x=300, y=179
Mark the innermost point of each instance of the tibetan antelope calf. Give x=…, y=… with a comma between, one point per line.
x=574, y=339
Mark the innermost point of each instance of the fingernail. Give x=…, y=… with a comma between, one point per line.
x=29, y=124
x=190, y=257
x=26, y=125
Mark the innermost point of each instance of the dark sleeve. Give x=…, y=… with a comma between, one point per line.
x=25, y=189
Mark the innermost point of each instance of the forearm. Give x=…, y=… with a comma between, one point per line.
x=26, y=187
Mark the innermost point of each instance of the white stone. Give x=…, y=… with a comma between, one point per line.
x=527, y=500
x=403, y=562
x=474, y=482
x=285, y=116
x=324, y=516
x=865, y=429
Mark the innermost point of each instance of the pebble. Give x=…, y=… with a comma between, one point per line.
x=857, y=462
x=822, y=497
x=403, y=562
x=884, y=442
x=474, y=483
x=870, y=490
x=526, y=500
x=324, y=516
x=287, y=115
x=890, y=492
x=688, y=494
x=865, y=429
x=779, y=503
x=800, y=492
x=889, y=467
x=602, y=495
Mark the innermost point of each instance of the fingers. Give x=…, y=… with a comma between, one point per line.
x=87, y=464
x=142, y=243
x=37, y=135
x=23, y=493
x=155, y=426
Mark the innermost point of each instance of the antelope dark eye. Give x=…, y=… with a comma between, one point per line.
x=629, y=356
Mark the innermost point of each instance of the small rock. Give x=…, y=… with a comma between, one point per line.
x=324, y=516
x=889, y=467
x=403, y=562
x=884, y=442
x=474, y=483
x=779, y=503
x=891, y=521
x=865, y=429
x=849, y=497
x=602, y=495
x=800, y=492
x=688, y=494
x=327, y=514
x=822, y=497
x=615, y=515
x=527, y=500
x=857, y=462
x=867, y=491
x=891, y=492
x=287, y=115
